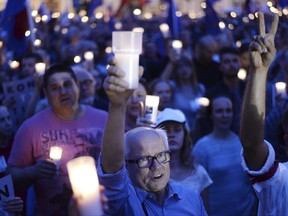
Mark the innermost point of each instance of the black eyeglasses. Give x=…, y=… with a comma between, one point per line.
x=146, y=161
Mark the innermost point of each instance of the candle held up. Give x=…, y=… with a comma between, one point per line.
x=55, y=155
x=40, y=68
x=177, y=45
x=127, y=46
x=85, y=185
x=151, y=108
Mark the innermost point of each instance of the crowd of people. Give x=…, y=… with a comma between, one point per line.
x=195, y=160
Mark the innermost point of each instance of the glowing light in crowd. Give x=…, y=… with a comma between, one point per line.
x=55, y=155
x=137, y=12
x=231, y=26
x=148, y=15
x=64, y=31
x=280, y=87
x=27, y=33
x=99, y=15
x=222, y=25
x=55, y=15
x=34, y=13
x=203, y=101
x=13, y=64
x=77, y=59
x=1, y=44
x=44, y=18
x=242, y=74
x=251, y=16
x=71, y=15
x=233, y=14
x=285, y=11
x=203, y=5
x=177, y=46
x=269, y=4
x=118, y=25
x=108, y=50
x=89, y=55
x=245, y=19
x=40, y=69
x=38, y=19
x=84, y=19
x=37, y=43
x=238, y=43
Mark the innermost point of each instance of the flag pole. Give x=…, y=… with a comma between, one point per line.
x=31, y=24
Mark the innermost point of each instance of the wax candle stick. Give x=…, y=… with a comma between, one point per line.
x=56, y=154
x=85, y=185
x=151, y=108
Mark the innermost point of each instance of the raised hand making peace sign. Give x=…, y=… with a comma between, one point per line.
x=262, y=48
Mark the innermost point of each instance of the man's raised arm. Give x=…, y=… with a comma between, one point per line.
x=113, y=146
x=262, y=52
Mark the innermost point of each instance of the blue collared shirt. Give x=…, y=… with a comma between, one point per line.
x=126, y=199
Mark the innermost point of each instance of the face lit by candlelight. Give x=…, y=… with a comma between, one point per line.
x=147, y=142
x=138, y=96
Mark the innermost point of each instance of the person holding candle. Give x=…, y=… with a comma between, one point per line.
x=163, y=89
x=134, y=167
x=66, y=124
x=268, y=177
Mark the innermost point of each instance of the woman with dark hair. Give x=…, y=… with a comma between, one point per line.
x=186, y=89
x=182, y=165
x=163, y=89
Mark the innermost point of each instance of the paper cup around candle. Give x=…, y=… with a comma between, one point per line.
x=84, y=182
x=280, y=87
x=56, y=154
x=177, y=45
x=127, y=46
x=40, y=68
x=151, y=108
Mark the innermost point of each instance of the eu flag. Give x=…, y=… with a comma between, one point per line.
x=172, y=20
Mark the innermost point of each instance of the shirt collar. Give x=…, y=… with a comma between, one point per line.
x=174, y=191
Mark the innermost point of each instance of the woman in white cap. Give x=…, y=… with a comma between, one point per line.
x=182, y=165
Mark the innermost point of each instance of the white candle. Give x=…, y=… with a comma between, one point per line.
x=40, y=68
x=56, y=154
x=127, y=46
x=281, y=88
x=164, y=28
x=203, y=101
x=151, y=108
x=89, y=56
x=177, y=45
x=85, y=185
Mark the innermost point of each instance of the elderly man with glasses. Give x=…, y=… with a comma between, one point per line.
x=134, y=167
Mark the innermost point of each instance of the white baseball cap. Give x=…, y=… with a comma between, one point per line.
x=169, y=114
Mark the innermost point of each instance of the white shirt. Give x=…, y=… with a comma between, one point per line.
x=271, y=185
